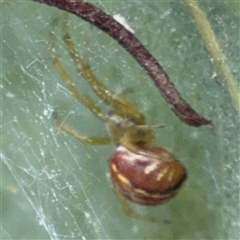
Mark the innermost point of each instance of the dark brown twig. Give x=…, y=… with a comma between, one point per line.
x=106, y=23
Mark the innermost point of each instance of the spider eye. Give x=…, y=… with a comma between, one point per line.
x=151, y=177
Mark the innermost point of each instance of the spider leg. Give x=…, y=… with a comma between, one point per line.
x=132, y=214
x=120, y=104
x=94, y=140
x=84, y=99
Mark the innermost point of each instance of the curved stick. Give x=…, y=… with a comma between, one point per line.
x=106, y=23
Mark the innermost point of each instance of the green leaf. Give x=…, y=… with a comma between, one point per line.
x=54, y=186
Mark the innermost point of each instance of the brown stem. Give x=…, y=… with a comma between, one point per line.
x=106, y=23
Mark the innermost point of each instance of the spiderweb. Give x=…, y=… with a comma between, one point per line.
x=54, y=187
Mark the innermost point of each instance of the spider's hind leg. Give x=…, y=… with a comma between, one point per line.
x=132, y=214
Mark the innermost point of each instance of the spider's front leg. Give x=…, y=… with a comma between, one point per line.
x=84, y=99
x=118, y=102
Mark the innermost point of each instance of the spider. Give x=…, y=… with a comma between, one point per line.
x=140, y=171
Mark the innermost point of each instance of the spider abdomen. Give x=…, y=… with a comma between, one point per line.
x=150, y=177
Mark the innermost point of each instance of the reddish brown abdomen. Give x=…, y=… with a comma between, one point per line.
x=151, y=178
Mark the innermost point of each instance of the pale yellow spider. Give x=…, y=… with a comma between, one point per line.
x=140, y=172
